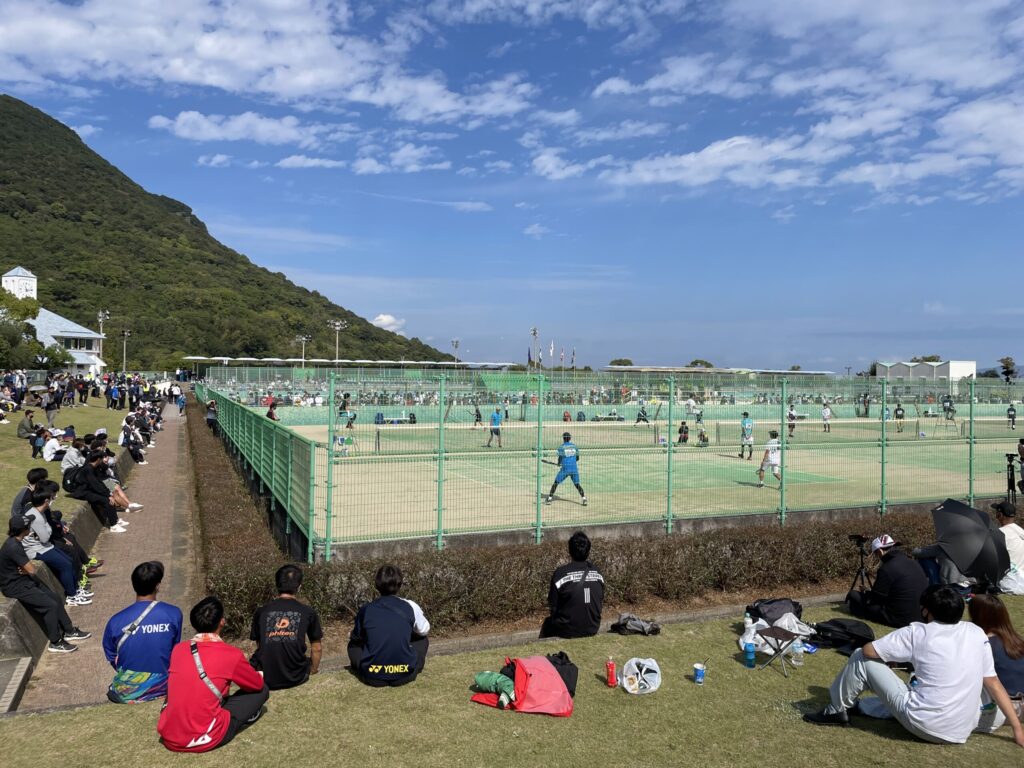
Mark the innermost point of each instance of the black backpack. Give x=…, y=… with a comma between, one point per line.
x=772, y=609
x=69, y=482
x=845, y=635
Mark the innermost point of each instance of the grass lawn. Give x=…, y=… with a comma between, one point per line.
x=739, y=717
x=15, y=454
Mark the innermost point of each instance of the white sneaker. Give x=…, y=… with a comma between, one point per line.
x=117, y=529
x=133, y=507
x=77, y=600
x=122, y=522
x=143, y=463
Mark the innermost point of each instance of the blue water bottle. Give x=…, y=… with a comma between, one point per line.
x=748, y=655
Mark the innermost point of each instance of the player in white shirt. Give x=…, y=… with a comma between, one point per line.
x=826, y=417
x=952, y=663
x=772, y=459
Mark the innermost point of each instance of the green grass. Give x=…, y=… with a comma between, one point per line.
x=15, y=454
x=739, y=717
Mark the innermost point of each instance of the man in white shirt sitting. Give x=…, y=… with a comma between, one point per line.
x=1006, y=515
x=952, y=663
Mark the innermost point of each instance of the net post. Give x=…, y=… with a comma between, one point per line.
x=783, y=452
x=331, y=428
x=668, y=439
x=538, y=532
x=882, y=500
x=970, y=446
x=439, y=540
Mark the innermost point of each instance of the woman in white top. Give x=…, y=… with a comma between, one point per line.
x=51, y=448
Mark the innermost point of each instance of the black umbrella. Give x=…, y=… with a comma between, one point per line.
x=972, y=541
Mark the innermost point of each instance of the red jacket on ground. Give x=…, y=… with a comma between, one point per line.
x=193, y=719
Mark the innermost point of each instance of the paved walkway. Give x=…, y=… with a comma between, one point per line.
x=162, y=531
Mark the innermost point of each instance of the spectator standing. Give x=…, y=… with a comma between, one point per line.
x=280, y=629
x=211, y=415
x=138, y=640
x=18, y=582
x=199, y=715
x=388, y=645
x=575, y=595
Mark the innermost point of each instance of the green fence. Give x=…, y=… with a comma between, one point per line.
x=362, y=467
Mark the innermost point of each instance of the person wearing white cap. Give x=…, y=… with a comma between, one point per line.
x=894, y=600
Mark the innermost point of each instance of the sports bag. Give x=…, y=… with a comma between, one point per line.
x=539, y=689
x=845, y=635
x=772, y=609
x=628, y=624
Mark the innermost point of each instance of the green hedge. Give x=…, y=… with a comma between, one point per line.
x=461, y=587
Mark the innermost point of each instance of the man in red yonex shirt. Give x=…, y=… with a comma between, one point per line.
x=197, y=716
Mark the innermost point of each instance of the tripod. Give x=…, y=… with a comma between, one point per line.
x=1011, y=484
x=862, y=577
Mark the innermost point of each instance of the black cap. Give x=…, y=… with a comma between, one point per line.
x=19, y=523
x=1005, y=509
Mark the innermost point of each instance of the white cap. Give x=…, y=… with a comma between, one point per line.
x=883, y=542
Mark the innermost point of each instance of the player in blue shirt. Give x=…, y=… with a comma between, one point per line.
x=138, y=641
x=495, y=427
x=568, y=455
x=747, y=435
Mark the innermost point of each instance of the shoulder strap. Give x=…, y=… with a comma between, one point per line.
x=134, y=626
x=202, y=672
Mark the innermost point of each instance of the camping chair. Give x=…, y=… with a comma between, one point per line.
x=779, y=640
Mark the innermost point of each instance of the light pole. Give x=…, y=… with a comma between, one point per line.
x=455, y=346
x=101, y=316
x=124, y=350
x=534, y=331
x=848, y=369
x=338, y=326
x=302, y=339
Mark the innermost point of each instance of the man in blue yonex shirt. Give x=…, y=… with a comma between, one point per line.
x=495, y=427
x=747, y=435
x=138, y=640
x=568, y=455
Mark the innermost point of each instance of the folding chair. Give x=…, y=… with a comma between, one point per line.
x=779, y=640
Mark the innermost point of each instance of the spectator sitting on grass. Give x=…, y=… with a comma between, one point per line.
x=138, y=640
x=26, y=427
x=35, y=476
x=952, y=662
x=388, y=645
x=895, y=598
x=199, y=716
x=52, y=450
x=576, y=594
x=989, y=613
x=18, y=582
x=280, y=629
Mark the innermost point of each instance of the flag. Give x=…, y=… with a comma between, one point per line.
x=551, y=352
x=573, y=357
x=562, y=357
x=529, y=357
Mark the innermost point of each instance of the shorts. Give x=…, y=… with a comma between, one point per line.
x=110, y=483
x=767, y=466
x=747, y=440
x=496, y=431
x=562, y=474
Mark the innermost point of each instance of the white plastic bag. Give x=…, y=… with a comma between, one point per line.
x=750, y=636
x=641, y=676
x=793, y=624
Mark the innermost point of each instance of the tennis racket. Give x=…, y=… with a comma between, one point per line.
x=547, y=461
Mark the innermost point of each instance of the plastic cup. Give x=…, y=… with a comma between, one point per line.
x=698, y=674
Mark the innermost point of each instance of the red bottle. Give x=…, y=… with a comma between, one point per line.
x=610, y=669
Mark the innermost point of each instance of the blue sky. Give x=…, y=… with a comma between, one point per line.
x=757, y=184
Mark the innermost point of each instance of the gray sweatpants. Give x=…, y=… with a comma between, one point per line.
x=861, y=675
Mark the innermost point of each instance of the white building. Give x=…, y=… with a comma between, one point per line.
x=81, y=343
x=948, y=370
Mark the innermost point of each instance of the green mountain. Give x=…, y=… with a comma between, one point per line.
x=97, y=240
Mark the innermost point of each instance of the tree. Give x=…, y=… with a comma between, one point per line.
x=926, y=359
x=621, y=361
x=53, y=357
x=795, y=368
x=1009, y=368
x=700, y=363
x=988, y=373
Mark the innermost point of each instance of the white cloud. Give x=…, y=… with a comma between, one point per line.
x=549, y=163
x=407, y=158
x=687, y=75
x=563, y=119
x=884, y=176
x=214, y=161
x=536, y=231
x=499, y=166
x=785, y=215
x=627, y=129
x=290, y=237
x=87, y=130
x=389, y=323
x=369, y=166
x=463, y=206
x=304, y=161
x=248, y=126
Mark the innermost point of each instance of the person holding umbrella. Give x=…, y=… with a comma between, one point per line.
x=970, y=550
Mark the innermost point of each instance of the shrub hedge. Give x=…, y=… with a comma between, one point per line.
x=461, y=587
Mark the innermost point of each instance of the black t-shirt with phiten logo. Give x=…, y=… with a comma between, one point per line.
x=280, y=628
x=575, y=598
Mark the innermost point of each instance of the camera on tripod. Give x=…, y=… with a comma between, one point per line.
x=862, y=578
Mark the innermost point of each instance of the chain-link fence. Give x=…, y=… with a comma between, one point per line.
x=358, y=456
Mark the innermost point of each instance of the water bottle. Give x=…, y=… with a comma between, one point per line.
x=797, y=653
x=748, y=656
x=747, y=621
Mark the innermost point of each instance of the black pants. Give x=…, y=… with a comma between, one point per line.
x=244, y=707
x=102, y=508
x=44, y=603
x=419, y=644
x=862, y=609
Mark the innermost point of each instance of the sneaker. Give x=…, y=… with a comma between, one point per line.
x=143, y=463
x=584, y=501
x=77, y=599
x=91, y=570
x=77, y=635
x=257, y=716
x=825, y=718
x=82, y=592
x=122, y=522
x=741, y=455
x=117, y=529
x=548, y=499
x=760, y=485
x=62, y=647
x=133, y=507
x=94, y=563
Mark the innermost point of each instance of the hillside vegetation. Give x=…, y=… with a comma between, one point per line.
x=97, y=240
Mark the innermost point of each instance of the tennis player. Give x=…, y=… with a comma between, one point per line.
x=898, y=414
x=747, y=435
x=1011, y=417
x=826, y=417
x=495, y=427
x=478, y=419
x=772, y=459
x=568, y=455
x=641, y=417
x=791, y=418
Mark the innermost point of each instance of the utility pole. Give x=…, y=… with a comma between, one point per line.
x=535, y=332
x=124, y=350
x=302, y=339
x=102, y=316
x=338, y=326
